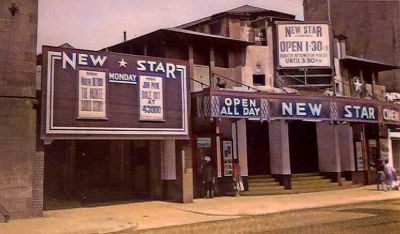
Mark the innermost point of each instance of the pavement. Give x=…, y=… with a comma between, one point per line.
x=154, y=214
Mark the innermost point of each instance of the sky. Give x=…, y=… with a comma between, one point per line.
x=96, y=24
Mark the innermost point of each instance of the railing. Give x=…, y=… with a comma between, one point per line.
x=300, y=81
x=234, y=81
x=202, y=84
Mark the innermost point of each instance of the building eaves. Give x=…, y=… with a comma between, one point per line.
x=178, y=31
x=200, y=34
x=378, y=65
x=242, y=10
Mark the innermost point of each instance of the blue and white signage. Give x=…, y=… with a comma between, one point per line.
x=88, y=93
x=239, y=107
x=298, y=109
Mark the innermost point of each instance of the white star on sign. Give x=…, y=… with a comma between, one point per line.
x=358, y=85
x=122, y=63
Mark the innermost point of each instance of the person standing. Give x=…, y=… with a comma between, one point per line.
x=388, y=175
x=237, y=178
x=380, y=182
x=208, y=177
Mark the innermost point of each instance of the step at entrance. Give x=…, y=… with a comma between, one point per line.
x=301, y=183
x=311, y=182
x=263, y=185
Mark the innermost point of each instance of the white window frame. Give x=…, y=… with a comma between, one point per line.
x=93, y=75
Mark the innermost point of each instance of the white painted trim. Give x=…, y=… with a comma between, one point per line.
x=234, y=140
x=219, y=160
x=390, y=147
x=242, y=146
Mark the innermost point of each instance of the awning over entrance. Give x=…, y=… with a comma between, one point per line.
x=215, y=103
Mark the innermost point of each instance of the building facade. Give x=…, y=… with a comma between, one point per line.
x=280, y=104
x=371, y=30
x=288, y=100
x=115, y=127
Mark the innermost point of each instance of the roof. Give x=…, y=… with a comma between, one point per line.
x=182, y=32
x=200, y=34
x=377, y=65
x=242, y=10
x=246, y=9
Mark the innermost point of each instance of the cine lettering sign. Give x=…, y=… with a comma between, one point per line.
x=390, y=115
x=303, y=45
x=151, y=98
x=239, y=107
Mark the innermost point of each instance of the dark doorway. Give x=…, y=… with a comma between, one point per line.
x=92, y=164
x=95, y=172
x=257, y=148
x=303, y=147
x=139, y=169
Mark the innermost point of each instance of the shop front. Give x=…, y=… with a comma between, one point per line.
x=285, y=135
x=115, y=127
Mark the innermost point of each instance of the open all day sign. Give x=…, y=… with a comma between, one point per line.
x=303, y=45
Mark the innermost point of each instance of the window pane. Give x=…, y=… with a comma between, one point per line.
x=97, y=82
x=85, y=93
x=96, y=93
x=86, y=105
x=86, y=81
x=97, y=106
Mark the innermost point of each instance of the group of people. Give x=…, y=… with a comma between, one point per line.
x=209, y=178
x=388, y=179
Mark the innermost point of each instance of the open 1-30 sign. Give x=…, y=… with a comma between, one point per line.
x=303, y=45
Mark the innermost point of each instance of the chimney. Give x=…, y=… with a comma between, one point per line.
x=124, y=36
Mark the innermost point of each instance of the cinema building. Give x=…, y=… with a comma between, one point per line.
x=282, y=97
x=115, y=127
x=135, y=120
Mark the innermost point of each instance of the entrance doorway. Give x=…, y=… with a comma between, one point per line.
x=92, y=165
x=303, y=147
x=95, y=172
x=258, y=160
x=139, y=176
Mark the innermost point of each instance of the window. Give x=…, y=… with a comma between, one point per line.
x=92, y=94
x=216, y=28
x=258, y=80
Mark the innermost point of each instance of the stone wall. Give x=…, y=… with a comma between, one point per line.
x=21, y=174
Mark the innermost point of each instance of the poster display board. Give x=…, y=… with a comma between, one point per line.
x=303, y=45
x=359, y=156
x=151, y=98
x=227, y=158
x=384, y=148
x=372, y=153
